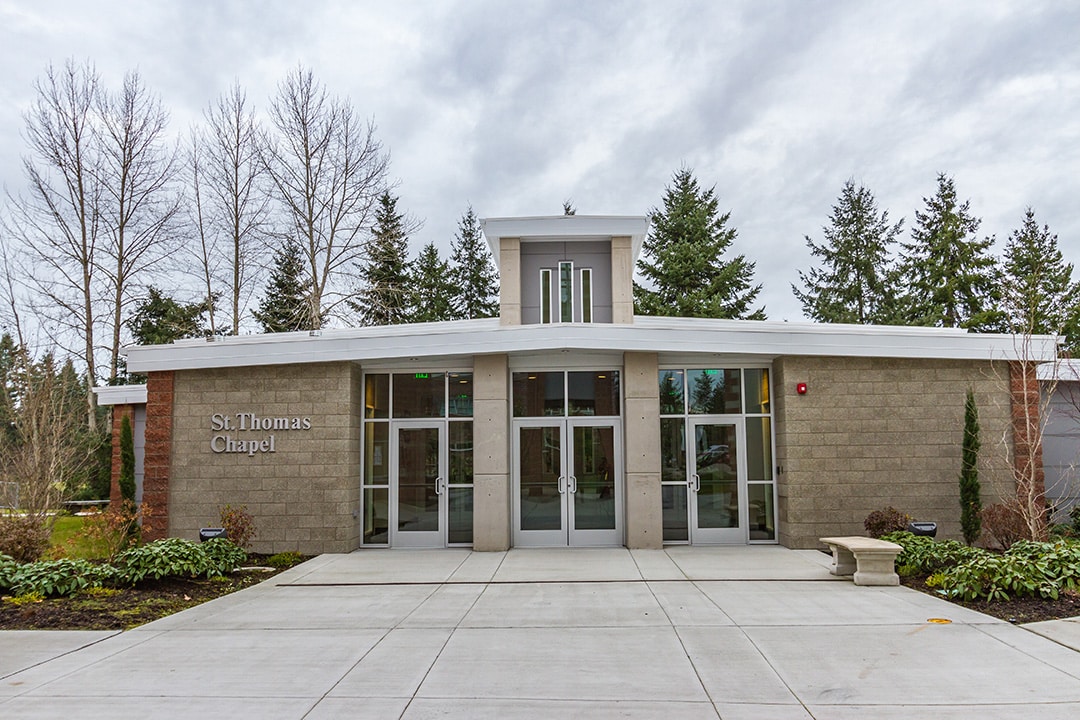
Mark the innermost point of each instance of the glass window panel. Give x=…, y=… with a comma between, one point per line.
x=757, y=389
x=419, y=395
x=594, y=393
x=676, y=523
x=673, y=450
x=540, y=468
x=376, y=516
x=539, y=394
x=594, y=470
x=759, y=464
x=762, y=512
x=586, y=295
x=714, y=392
x=461, y=453
x=545, y=296
x=377, y=396
x=417, y=478
x=716, y=463
x=566, y=292
x=671, y=392
x=460, y=391
x=376, y=453
x=460, y=520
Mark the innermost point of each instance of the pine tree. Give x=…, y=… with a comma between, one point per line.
x=473, y=272
x=286, y=306
x=683, y=259
x=953, y=278
x=160, y=320
x=127, y=461
x=1040, y=296
x=383, y=297
x=432, y=293
x=970, y=501
x=854, y=283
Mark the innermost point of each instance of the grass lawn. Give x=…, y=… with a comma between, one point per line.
x=67, y=540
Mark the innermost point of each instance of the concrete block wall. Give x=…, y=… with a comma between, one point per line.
x=304, y=494
x=874, y=432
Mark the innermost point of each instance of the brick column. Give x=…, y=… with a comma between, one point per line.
x=118, y=414
x=1026, y=425
x=158, y=458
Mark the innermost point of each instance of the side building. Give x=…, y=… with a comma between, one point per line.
x=568, y=421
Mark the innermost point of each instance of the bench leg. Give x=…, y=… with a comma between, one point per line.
x=843, y=561
x=876, y=569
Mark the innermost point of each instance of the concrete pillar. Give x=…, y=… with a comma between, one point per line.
x=491, y=453
x=641, y=429
x=510, y=281
x=622, y=282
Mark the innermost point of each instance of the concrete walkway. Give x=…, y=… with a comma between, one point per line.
x=746, y=632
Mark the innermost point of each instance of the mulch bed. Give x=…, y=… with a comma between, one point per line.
x=127, y=608
x=1017, y=610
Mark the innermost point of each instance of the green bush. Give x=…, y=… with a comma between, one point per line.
x=239, y=525
x=164, y=558
x=224, y=554
x=8, y=566
x=285, y=560
x=58, y=577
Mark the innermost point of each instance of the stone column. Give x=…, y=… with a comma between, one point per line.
x=157, y=464
x=622, y=282
x=641, y=432
x=510, y=281
x=491, y=453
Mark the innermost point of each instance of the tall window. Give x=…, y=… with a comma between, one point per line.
x=545, y=296
x=566, y=291
x=586, y=295
x=563, y=300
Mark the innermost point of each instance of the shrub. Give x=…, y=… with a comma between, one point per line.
x=970, y=504
x=115, y=529
x=239, y=525
x=24, y=537
x=884, y=521
x=8, y=566
x=224, y=554
x=164, y=558
x=927, y=555
x=1004, y=524
x=285, y=560
x=58, y=577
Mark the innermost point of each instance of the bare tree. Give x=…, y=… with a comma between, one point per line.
x=205, y=252
x=227, y=171
x=58, y=222
x=327, y=171
x=140, y=206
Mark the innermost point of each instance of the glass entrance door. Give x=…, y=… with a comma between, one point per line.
x=716, y=484
x=568, y=486
x=418, y=510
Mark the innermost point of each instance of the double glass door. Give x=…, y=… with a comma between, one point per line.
x=419, y=467
x=567, y=482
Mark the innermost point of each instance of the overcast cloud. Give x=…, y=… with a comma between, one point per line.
x=516, y=106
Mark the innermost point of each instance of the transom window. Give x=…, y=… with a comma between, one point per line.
x=562, y=394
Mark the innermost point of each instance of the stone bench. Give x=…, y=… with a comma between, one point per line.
x=871, y=561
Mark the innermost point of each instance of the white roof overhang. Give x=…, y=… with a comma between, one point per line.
x=760, y=339
x=122, y=394
x=565, y=228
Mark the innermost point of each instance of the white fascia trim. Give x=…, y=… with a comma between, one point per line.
x=1060, y=371
x=764, y=340
x=562, y=227
x=121, y=395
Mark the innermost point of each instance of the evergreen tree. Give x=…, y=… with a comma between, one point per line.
x=854, y=283
x=953, y=278
x=970, y=501
x=1040, y=296
x=286, y=306
x=383, y=298
x=127, y=461
x=431, y=290
x=160, y=320
x=684, y=263
x=473, y=271
x=568, y=207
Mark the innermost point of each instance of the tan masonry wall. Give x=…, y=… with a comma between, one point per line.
x=874, y=432
x=304, y=494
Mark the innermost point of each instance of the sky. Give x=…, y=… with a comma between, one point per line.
x=514, y=107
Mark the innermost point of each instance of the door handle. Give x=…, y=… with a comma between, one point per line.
x=695, y=482
x=573, y=484
x=440, y=485
x=562, y=484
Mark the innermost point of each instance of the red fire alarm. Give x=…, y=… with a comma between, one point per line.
x=801, y=388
